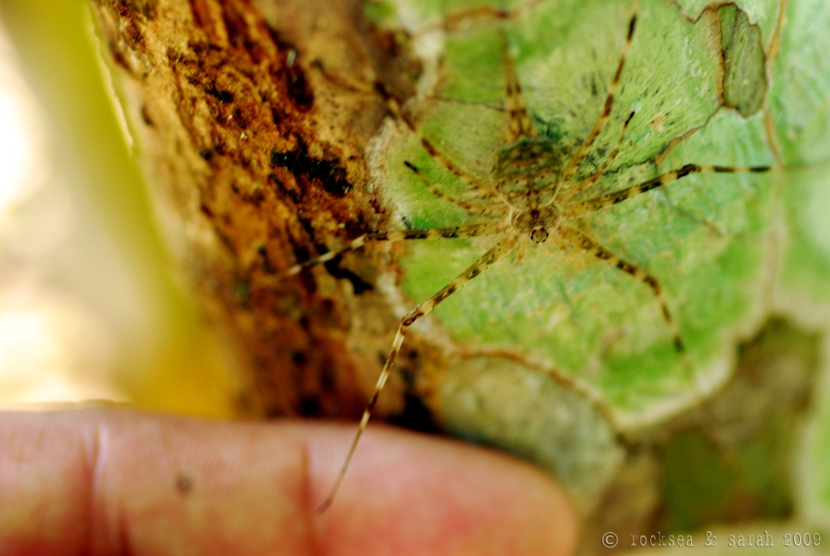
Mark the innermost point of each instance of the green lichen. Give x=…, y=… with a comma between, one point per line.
x=729, y=251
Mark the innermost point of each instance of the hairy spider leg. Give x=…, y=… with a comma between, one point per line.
x=579, y=239
x=580, y=154
x=575, y=210
x=466, y=231
x=472, y=207
x=592, y=205
x=495, y=253
x=520, y=124
x=396, y=110
x=584, y=184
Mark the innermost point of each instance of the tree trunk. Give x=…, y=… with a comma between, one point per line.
x=255, y=160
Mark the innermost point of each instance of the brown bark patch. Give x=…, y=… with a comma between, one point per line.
x=255, y=161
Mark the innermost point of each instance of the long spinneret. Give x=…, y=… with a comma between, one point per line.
x=528, y=198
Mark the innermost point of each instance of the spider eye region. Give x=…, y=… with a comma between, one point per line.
x=537, y=223
x=539, y=235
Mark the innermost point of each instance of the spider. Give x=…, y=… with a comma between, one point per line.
x=530, y=196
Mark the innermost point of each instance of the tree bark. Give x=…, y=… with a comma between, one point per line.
x=254, y=158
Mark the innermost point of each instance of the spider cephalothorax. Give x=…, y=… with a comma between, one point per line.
x=528, y=172
x=537, y=223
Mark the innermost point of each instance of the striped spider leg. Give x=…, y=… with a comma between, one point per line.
x=528, y=197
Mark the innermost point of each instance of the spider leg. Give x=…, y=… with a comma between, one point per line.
x=397, y=112
x=597, y=203
x=520, y=124
x=572, y=166
x=598, y=174
x=581, y=240
x=470, y=230
x=522, y=249
x=495, y=253
x=472, y=207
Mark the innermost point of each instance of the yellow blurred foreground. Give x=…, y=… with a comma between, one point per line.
x=88, y=307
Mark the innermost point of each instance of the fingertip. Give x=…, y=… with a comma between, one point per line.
x=406, y=493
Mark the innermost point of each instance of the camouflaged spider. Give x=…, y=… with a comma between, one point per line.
x=528, y=196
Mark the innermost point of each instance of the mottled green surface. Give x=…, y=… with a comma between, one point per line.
x=744, y=80
x=729, y=251
x=492, y=399
x=799, y=100
x=703, y=238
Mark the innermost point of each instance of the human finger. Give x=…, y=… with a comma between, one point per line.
x=110, y=481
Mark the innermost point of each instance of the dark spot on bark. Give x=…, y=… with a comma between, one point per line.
x=289, y=189
x=301, y=253
x=206, y=154
x=309, y=407
x=201, y=16
x=118, y=57
x=416, y=415
x=325, y=173
x=145, y=115
x=240, y=119
x=358, y=284
x=235, y=24
x=219, y=146
x=224, y=96
x=299, y=90
x=206, y=211
x=148, y=9
x=132, y=34
x=251, y=196
x=297, y=86
x=266, y=261
x=299, y=358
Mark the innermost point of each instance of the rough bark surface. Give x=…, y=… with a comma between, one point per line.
x=254, y=156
